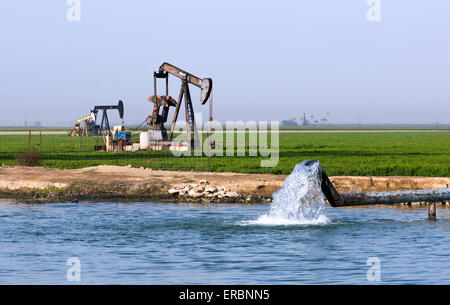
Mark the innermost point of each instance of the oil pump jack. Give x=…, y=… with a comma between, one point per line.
x=156, y=120
x=91, y=128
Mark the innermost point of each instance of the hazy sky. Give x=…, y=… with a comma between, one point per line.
x=269, y=60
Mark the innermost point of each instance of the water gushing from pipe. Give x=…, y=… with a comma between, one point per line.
x=300, y=201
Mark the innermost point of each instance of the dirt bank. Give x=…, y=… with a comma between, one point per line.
x=37, y=184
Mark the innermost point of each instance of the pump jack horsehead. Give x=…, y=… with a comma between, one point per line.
x=156, y=120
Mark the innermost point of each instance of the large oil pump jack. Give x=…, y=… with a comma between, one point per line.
x=156, y=120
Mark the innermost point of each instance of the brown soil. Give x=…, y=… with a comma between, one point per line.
x=17, y=180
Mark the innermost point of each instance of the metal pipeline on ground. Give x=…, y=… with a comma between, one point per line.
x=338, y=200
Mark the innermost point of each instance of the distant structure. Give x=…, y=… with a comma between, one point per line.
x=305, y=121
x=289, y=123
x=314, y=121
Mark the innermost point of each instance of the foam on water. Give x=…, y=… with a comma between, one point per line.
x=299, y=202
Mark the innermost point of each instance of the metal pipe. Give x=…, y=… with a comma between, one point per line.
x=396, y=197
x=336, y=200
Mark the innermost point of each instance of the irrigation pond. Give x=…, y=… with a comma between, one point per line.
x=154, y=243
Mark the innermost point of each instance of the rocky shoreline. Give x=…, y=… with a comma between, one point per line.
x=204, y=192
x=124, y=183
x=156, y=190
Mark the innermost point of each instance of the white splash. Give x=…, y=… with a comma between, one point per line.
x=299, y=202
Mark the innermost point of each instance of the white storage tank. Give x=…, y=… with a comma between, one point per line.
x=143, y=140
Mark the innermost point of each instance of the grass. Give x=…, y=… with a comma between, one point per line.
x=381, y=153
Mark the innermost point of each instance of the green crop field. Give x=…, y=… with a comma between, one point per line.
x=377, y=153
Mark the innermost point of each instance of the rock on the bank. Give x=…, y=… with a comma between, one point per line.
x=231, y=194
x=204, y=190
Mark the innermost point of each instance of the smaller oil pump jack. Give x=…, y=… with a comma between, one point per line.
x=157, y=119
x=105, y=129
x=91, y=128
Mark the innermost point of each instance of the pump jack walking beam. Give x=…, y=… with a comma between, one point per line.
x=204, y=84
